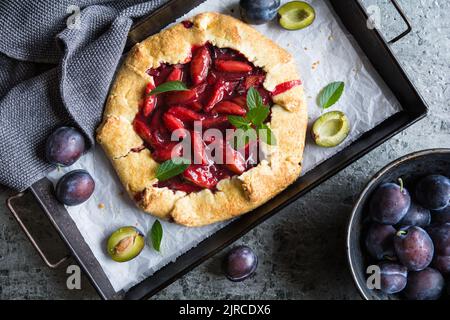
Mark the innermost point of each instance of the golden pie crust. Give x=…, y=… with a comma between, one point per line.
x=234, y=196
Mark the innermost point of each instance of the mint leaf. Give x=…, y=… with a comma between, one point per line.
x=266, y=135
x=156, y=234
x=330, y=94
x=255, y=117
x=171, y=168
x=258, y=115
x=253, y=99
x=239, y=122
x=169, y=86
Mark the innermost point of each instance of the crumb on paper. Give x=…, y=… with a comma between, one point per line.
x=305, y=48
x=330, y=37
x=101, y=205
x=315, y=65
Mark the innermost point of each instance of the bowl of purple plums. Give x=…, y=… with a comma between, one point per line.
x=398, y=241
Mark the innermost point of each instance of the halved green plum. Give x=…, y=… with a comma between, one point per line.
x=330, y=129
x=125, y=244
x=296, y=15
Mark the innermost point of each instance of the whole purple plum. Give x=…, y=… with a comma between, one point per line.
x=433, y=191
x=392, y=277
x=414, y=248
x=75, y=187
x=416, y=216
x=389, y=203
x=427, y=284
x=380, y=241
x=240, y=263
x=64, y=146
x=440, y=234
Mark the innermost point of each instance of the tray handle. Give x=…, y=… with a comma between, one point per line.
x=405, y=20
x=52, y=265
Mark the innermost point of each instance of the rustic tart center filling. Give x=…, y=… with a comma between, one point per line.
x=218, y=81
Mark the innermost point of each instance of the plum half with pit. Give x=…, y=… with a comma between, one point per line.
x=75, y=187
x=125, y=244
x=389, y=203
x=416, y=216
x=427, y=284
x=258, y=11
x=296, y=15
x=393, y=277
x=433, y=191
x=440, y=234
x=380, y=241
x=240, y=263
x=64, y=146
x=414, y=248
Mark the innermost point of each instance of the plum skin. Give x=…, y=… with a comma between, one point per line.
x=433, y=191
x=440, y=234
x=389, y=203
x=416, y=216
x=441, y=216
x=393, y=277
x=380, y=241
x=442, y=264
x=414, y=248
x=258, y=11
x=426, y=284
x=64, y=146
x=75, y=187
x=240, y=263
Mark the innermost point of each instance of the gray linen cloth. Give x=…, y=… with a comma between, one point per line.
x=57, y=60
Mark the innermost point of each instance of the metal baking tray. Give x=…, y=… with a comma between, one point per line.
x=354, y=18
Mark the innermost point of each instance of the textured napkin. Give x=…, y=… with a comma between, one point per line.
x=57, y=60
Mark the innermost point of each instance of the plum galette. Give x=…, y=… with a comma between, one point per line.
x=205, y=121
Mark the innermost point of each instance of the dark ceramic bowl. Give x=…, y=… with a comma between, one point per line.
x=410, y=168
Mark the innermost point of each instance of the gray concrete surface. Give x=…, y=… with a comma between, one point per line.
x=301, y=250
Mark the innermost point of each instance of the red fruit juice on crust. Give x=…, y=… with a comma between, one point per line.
x=285, y=86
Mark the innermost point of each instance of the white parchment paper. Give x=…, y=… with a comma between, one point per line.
x=324, y=53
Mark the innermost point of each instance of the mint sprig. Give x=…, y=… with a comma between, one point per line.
x=169, y=86
x=256, y=115
x=239, y=122
x=171, y=168
x=330, y=94
x=254, y=99
x=156, y=234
